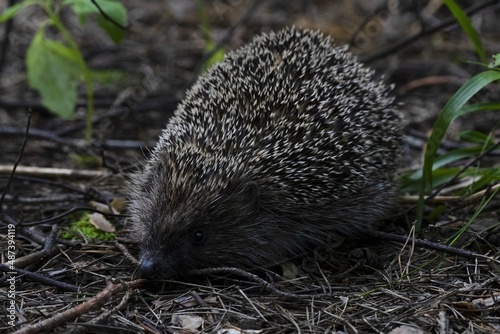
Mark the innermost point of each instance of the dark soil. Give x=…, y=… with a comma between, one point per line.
x=378, y=286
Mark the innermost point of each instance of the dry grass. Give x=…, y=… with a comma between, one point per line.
x=369, y=286
x=380, y=287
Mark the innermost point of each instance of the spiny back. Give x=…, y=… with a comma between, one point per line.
x=294, y=118
x=292, y=110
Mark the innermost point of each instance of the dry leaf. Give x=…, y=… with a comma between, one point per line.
x=101, y=223
x=185, y=321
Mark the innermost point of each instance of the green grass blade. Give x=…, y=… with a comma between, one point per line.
x=453, y=109
x=451, y=241
x=11, y=11
x=467, y=27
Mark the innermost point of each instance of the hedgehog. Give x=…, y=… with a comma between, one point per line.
x=287, y=143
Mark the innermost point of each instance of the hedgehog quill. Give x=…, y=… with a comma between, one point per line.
x=286, y=143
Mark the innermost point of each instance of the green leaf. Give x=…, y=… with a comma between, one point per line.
x=453, y=109
x=113, y=9
x=11, y=11
x=116, y=12
x=217, y=56
x=481, y=107
x=53, y=69
x=84, y=227
x=448, y=158
x=116, y=33
x=476, y=137
x=444, y=175
x=486, y=176
x=440, y=177
x=410, y=182
x=82, y=8
x=467, y=27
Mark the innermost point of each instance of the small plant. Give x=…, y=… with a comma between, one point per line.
x=85, y=227
x=434, y=173
x=56, y=68
x=216, y=53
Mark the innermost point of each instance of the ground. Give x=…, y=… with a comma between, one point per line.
x=371, y=285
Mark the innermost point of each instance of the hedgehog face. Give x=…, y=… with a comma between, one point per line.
x=182, y=239
x=173, y=254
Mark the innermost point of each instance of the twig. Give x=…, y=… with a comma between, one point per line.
x=445, y=144
x=198, y=298
x=167, y=103
x=428, y=244
x=126, y=253
x=103, y=316
x=36, y=277
x=430, y=81
x=54, y=172
x=74, y=143
x=89, y=192
x=31, y=258
x=164, y=102
x=18, y=160
x=36, y=133
x=39, y=238
x=36, y=104
x=65, y=185
x=444, y=24
x=49, y=241
x=249, y=301
x=44, y=200
x=46, y=251
x=68, y=212
x=89, y=305
x=463, y=169
x=412, y=199
x=263, y=283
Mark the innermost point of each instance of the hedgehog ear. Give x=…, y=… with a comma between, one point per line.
x=250, y=196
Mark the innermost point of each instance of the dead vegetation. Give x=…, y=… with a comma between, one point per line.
x=373, y=285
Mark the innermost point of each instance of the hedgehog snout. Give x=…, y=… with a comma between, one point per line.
x=148, y=268
x=152, y=267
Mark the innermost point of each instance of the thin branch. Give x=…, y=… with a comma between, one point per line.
x=463, y=169
x=18, y=160
x=75, y=143
x=87, y=306
x=68, y=212
x=265, y=284
x=54, y=172
x=429, y=245
x=37, y=277
x=429, y=31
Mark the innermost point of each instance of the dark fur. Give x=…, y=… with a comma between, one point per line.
x=245, y=176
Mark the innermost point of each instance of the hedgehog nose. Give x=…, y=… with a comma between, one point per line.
x=148, y=268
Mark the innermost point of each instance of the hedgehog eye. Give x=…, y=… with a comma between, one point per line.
x=198, y=236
